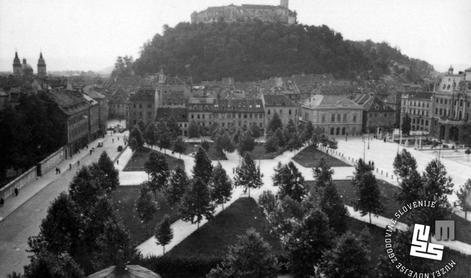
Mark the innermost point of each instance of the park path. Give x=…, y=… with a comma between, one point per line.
x=24, y=221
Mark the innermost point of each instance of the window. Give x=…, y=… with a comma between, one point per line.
x=354, y=118
x=338, y=117
x=332, y=118
x=268, y=112
x=289, y=111
x=344, y=117
x=323, y=118
x=332, y=130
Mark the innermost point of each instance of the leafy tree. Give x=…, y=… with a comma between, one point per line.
x=173, y=128
x=271, y=145
x=205, y=145
x=203, y=168
x=157, y=168
x=193, y=130
x=246, y=143
x=255, y=131
x=115, y=245
x=106, y=165
x=294, y=142
x=464, y=197
x=48, y=265
x=274, y=124
x=323, y=173
x=267, y=202
x=196, y=202
x=123, y=67
x=282, y=141
x=163, y=232
x=411, y=188
x=285, y=216
x=247, y=174
x=333, y=206
x=361, y=168
x=221, y=186
x=86, y=187
x=308, y=132
x=177, y=184
x=406, y=124
x=150, y=135
x=251, y=256
x=179, y=146
x=404, y=164
x=163, y=136
x=136, y=135
x=145, y=206
x=309, y=240
x=290, y=181
x=224, y=142
x=349, y=259
x=368, y=195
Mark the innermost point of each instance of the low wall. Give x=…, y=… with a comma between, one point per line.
x=22, y=180
x=51, y=161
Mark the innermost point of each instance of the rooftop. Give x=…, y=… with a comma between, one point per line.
x=330, y=101
x=277, y=100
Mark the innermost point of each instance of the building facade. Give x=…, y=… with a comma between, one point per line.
x=233, y=13
x=335, y=115
x=418, y=106
x=119, y=104
x=377, y=116
x=279, y=104
x=451, y=107
x=142, y=106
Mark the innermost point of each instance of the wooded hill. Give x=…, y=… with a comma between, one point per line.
x=257, y=50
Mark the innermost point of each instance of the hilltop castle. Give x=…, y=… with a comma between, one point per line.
x=233, y=13
x=25, y=70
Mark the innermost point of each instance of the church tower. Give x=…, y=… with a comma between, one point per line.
x=41, y=66
x=284, y=4
x=17, y=65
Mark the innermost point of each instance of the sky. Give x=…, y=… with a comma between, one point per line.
x=90, y=34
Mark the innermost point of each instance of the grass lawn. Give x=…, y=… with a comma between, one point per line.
x=388, y=193
x=310, y=157
x=139, y=158
x=124, y=199
x=214, y=237
x=213, y=154
x=259, y=152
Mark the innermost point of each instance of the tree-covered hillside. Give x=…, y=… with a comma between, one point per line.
x=257, y=50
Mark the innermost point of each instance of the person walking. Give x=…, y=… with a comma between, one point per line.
x=16, y=191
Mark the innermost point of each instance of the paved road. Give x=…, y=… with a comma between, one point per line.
x=24, y=221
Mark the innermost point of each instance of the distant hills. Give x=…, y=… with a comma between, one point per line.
x=256, y=50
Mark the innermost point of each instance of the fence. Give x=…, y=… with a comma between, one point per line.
x=22, y=180
x=51, y=161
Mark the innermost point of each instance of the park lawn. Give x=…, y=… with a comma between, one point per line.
x=139, y=158
x=310, y=157
x=213, y=153
x=213, y=239
x=124, y=200
x=388, y=192
x=259, y=152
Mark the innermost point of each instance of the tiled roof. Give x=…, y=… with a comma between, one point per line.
x=179, y=114
x=70, y=102
x=330, y=101
x=143, y=94
x=119, y=96
x=277, y=100
x=254, y=105
x=419, y=95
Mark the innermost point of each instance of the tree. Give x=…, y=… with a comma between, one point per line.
x=163, y=232
x=224, y=142
x=255, y=131
x=247, y=174
x=150, y=135
x=86, y=187
x=308, y=131
x=464, y=198
x=404, y=164
x=157, y=168
x=107, y=166
x=193, y=130
x=49, y=265
x=271, y=145
x=221, y=186
x=368, y=195
x=177, y=184
x=267, y=202
x=136, y=135
x=411, y=188
x=251, y=257
x=333, y=206
x=114, y=244
x=145, y=206
x=274, y=124
x=406, y=125
x=246, y=143
x=282, y=141
x=205, y=145
x=163, y=136
x=179, y=146
x=290, y=181
x=173, y=128
x=348, y=259
x=361, y=168
x=323, y=174
x=309, y=240
x=196, y=202
x=203, y=168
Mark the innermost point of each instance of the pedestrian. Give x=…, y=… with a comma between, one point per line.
x=91, y=151
x=117, y=162
x=78, y=163
x=2, y=202
x=70, y=166
x=112, y=140
x=16, y=191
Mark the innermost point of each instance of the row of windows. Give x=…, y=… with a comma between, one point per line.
x=418, y=103
x=445, y=112
x=140, y=105
x=280, y=112
x=228, y=116
x=446, y=101
x=339, y=118
x=419, y=121
x=418, y=112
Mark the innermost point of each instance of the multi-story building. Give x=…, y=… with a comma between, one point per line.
x=93, y=118
x=142, y=106
x=377, y=116
x=179, y=114
x=75, y=110
x=281, y=105
x=334, y=114
x=418, y=106
x=200, y=111
x=118, y=104
x=239, y=113
x=93, y=92
x=233, y=13
x=451, y=107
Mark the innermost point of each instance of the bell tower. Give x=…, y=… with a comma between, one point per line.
x=16, y=65
x=41, y=66
x=284, y=4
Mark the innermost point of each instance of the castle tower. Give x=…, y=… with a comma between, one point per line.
x=16, y=65
x=284, y=3
x=41, y=66
x=450, y=70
